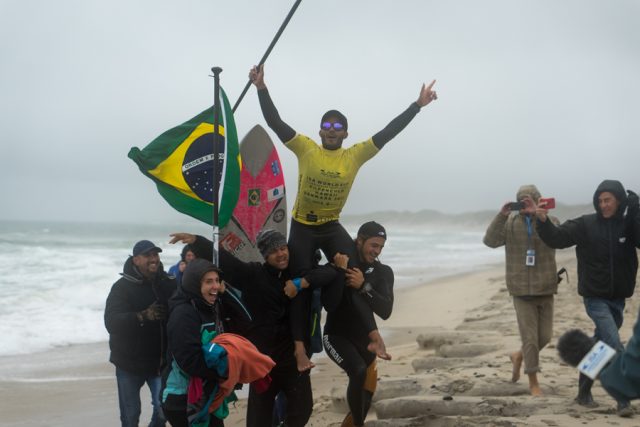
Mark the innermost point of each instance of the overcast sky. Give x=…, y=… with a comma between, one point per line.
x=539, y=91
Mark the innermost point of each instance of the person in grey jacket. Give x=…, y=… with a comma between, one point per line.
x=531, y=280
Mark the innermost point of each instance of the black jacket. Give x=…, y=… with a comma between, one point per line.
x=189, y=316
x=605, y=248
x=137, y=347
x=262, y=288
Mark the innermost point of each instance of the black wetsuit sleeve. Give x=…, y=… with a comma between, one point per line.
x=561, y=236
x=395, y=126
x=363, y=311
x=272, y=117
x=380, y=297
x=331, y=280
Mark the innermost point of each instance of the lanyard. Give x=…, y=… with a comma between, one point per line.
x=529, y=230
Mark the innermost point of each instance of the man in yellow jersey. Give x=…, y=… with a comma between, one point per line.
x=325, y=175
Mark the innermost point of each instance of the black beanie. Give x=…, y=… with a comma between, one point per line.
x=270, y=240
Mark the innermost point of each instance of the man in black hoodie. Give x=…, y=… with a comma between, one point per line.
x=606, y=244
x=135, y=316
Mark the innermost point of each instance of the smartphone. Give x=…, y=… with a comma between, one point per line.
x=550, y=202
x=516, y=206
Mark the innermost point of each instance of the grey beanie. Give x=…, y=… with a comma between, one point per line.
x=269, y=240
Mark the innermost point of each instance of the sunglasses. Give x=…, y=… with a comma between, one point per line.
x=329, y=125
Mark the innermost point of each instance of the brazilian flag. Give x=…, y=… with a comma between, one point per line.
x=180, y=162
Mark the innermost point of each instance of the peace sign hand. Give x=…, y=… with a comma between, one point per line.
x=427, y=94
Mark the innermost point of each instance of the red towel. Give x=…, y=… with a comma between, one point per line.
x=194, y=390
x=246, y=364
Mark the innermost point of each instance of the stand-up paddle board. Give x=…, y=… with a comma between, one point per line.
x=262, y=203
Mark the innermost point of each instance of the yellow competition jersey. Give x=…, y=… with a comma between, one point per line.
x=325, y=177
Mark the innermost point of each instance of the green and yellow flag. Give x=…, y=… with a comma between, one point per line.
x=180, y=162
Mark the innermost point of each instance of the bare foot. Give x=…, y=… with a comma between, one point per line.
x=303, y=362
x=535, y=390
x=516, y=361
x=534, y=386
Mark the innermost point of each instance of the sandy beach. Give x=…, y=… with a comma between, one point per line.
x=450, y=341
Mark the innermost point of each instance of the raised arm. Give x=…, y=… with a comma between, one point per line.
x=235, y=271
x=561, y=236
x=202, y=247
x=495, y=236
x=269, y=111
x=427, y=94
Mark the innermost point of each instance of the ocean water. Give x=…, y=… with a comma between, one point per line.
x=55, y=278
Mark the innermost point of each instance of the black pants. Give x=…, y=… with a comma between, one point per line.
x=179, y=419
x=304, y=240
x=354, y=359
x=297, y=389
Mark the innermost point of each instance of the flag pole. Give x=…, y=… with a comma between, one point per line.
x=216, y=144
x=269, y=49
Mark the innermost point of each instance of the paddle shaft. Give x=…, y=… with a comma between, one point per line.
x=269, y=49
x=216, y=144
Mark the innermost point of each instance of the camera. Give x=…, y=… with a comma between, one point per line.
x=516, y=206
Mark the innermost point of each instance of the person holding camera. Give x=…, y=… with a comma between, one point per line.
x=531, y=279
x=135, y=317
x=606, y=243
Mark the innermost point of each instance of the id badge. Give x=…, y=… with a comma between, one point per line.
x=530, y=261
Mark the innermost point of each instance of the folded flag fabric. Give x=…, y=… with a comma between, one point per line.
x=180, y=162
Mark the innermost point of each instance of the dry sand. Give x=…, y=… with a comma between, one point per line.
x=450, y=340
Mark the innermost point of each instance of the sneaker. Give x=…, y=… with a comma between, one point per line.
x=624, y=409
x=586, y=401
